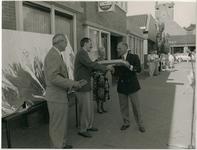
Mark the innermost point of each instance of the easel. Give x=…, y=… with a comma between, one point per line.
x=191, y=146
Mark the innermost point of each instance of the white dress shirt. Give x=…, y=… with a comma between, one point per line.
x=125, y=56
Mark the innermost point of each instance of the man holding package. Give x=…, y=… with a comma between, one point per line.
x=83, y=70
x=128, y=86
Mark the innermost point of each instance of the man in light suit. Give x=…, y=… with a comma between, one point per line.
x=82, y=70
x=128, y=86
x=57, y=84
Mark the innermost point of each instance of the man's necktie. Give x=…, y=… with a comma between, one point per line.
x=62, y=57
x=67, y=69
x=122, y=57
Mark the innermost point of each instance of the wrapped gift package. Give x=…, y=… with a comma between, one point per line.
x=116, y=62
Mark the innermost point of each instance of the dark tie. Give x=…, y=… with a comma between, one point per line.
x=122, y=57
x=65, y=65
x=62, y=57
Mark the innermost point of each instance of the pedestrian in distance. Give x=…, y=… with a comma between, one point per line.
x=159, y=68
x=151, y=62
x=163, y=62
x=83, y=70
x=57, y=85
x=128, y=86
x=156, y=61
x=100, y=84
x=171, y=61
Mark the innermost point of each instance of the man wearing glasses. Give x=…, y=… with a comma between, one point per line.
x=128, y=86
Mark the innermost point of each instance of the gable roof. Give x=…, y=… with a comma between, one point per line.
x=133, y=29
x=146, y=23
x=139, y=20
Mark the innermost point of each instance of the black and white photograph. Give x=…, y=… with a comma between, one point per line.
x=98, y=74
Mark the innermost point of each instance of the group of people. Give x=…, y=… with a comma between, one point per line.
x=158, y=63
x=58, y=83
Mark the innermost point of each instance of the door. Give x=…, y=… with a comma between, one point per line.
x=114, y=43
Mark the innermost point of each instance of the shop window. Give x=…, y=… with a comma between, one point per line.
x=130, y=43
x=104, y=42
x=136, y=52
x=94, y=36
x=36, y=18
x=133, y=45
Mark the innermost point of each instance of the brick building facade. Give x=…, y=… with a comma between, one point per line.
x=76, y=19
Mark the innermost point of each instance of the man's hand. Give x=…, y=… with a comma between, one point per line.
x=76, y=85
x=109, y=67
x=127, y=64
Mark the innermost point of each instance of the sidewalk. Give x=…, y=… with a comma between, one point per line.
x=166, y=112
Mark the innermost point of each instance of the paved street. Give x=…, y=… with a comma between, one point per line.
x=166, y=105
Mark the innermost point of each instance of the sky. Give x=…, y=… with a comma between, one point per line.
x=184, y=12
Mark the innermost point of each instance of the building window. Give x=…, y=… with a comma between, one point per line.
x=104, y=42
x=45, y=18
x=100, y=38
x=130, y=43
x=122, y=5
x=133, y=45
x=136, y=46
x=94, y=36
x=63, y=24
x=36, y=19
x=126, y=6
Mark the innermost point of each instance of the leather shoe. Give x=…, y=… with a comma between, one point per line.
x=85, y=134
x=93, y=129
x=100, y=112
x=124, y=127
x=68, y=147
x=142, y=129
x=105, y=111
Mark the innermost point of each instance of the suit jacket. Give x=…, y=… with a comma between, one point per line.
x=128, y=82
x=83, y=69
x=56, y=78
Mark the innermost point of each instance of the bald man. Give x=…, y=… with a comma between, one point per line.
x=128, y=86
x=57, y=85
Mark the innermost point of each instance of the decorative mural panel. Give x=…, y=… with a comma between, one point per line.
x=23, y=55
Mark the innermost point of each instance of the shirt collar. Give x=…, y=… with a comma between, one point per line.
x=85, y=49
x=125, y=55
x=57, y=50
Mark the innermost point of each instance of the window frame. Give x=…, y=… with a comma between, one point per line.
x=122, y=5
x=87, y=34
x=53, y=8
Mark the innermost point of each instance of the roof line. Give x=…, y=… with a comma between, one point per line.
x=147, y=23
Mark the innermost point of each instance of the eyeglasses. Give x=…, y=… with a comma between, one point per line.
x=118, y=49
x=63, y=41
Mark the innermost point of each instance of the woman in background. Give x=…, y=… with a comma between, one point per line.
x=171, y=61
x=151, y=63
x=100, y=85
x=156, y=60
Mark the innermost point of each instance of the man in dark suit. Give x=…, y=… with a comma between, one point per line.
x=57, y=84
x=128, y=86
x=83, y=70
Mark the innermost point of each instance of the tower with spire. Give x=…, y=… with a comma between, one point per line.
x=165, y=13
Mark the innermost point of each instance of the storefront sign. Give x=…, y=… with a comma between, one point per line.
x=105, y=6
x=172, y=42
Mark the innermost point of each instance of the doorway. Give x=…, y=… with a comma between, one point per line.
x=114, y=43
